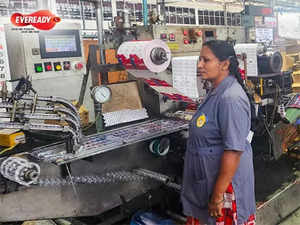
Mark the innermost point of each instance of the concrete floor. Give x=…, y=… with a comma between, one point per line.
x=293, y=219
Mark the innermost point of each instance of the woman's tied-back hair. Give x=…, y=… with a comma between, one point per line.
x=225, y=51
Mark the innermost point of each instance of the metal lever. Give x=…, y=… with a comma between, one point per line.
x=158, y=177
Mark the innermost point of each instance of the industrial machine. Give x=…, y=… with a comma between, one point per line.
x=54, y=182
x=67, y=172
x=270, y=87
x=262, y=67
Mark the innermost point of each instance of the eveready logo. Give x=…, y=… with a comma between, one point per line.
x=43, y=20
x=32, y=19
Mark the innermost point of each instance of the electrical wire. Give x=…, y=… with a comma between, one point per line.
x=7, y=149
x=276, y=103
x=270, y=138
x=268, y=122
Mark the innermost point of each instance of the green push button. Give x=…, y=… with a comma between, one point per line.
x=38, y=67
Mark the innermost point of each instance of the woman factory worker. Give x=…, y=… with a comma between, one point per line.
x=218, y=182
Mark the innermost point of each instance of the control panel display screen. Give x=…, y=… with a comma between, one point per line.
x=60, y=43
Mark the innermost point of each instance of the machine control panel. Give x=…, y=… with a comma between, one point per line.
x=57, y=66
x=48, y=54
x=181, y=40
x=53, y=59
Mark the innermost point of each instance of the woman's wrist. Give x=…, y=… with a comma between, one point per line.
x=217, y=202
x=217, y=198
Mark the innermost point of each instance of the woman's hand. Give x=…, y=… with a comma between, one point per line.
x=229, y=164
x=215, y=206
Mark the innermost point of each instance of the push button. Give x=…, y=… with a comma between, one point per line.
x=199, y=33
x=57, y=66
x=171, y=37
x=38, y=67
x=67, y=65
x=48, y=66
x=163, y=36
x=78, y=66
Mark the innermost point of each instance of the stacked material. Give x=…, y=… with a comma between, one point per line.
x=124, y=116
x=185, y=77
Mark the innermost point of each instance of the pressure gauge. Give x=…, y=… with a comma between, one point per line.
x=101, y=94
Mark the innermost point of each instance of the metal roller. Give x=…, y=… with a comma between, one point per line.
x=159, y=56
x=20, y=170
x=153, y=55
x=269, y=62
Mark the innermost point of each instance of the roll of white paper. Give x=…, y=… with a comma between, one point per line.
x=153, y=55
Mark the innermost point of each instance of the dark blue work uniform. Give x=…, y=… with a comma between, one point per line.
x=222, y=122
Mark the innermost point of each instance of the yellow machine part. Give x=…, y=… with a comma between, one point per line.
x=296, y=87
x=296, y=77
x=11, y=137
x=84, y=116
x=83, y=113
x=287, y=62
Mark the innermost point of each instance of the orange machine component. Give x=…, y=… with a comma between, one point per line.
x=117, y=76
x=114, y=76
x=110, y=56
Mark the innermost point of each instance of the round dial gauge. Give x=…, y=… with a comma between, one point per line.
x=101, y=94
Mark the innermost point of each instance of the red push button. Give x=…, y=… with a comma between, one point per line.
x=48, y=66
x=185, y=32
x=78, y=66
x=171, y=37
x=185, y=41
x=199, y=33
